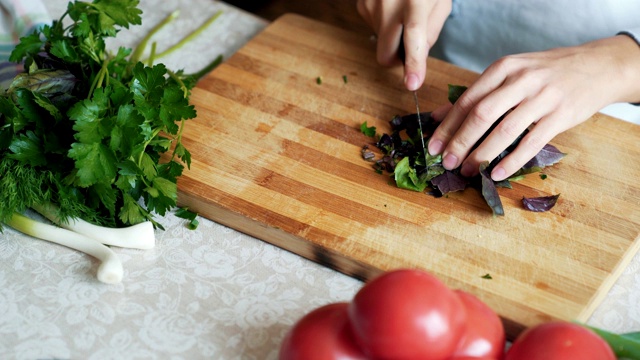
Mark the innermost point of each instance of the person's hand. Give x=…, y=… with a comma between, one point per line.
x=421, y=20
x=554, y=90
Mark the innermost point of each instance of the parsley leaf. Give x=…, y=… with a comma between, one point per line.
x=370, y=131
x=87, y=130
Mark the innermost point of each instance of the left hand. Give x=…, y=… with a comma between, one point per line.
x=552, y=90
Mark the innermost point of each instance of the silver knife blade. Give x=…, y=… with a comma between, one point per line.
x=424, y=148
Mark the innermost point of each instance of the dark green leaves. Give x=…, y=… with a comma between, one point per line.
x=95, y=163
x=28, y=46
x=121, y=12
x=97, y=124
x=26, y=148
x=455, y=91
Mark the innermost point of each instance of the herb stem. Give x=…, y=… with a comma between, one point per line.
x=212, y=65
x=144, y=146
x=191, y=36
x=100, y=76
x=135, y=56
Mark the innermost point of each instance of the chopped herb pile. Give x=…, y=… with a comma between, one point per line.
x=403, y=156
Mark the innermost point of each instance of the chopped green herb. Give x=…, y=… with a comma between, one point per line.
x=185, y=213
x=344, y=78
x=543, y=176
x=402, y=157
x=319, y=80
x=370, y=131
x=487, y=276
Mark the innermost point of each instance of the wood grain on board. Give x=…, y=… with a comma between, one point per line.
x=277, y=156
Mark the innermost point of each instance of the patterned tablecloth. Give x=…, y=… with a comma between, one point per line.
x=210, y=293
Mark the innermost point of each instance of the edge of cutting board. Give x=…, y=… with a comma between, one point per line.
x=194, y=194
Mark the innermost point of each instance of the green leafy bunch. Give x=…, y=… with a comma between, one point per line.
x=95, y=133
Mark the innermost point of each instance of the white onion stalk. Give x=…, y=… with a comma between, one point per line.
x=139, y=236
x=110, y=270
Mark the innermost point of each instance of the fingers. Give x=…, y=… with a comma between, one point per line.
x=420, y=21
x=364, y=12
x=524, y=99
x=423, y=21
x=529, y=146
x=538, y=109
x=439, y=113
x=471, y=116
x=416, y=44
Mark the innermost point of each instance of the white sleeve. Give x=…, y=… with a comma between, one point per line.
x=632, y=33
x=635, y=35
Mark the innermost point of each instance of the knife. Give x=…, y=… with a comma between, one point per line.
x=402, y=56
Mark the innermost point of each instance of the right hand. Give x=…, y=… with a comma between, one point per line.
x=421, y=20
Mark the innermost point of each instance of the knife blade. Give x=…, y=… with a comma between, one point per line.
x=424, y=148
x=402, y=56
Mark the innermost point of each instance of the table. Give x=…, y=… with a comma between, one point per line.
x=208, y=293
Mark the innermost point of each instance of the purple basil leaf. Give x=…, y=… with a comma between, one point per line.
x=449, y=182
x=489, y=191
x=540, y=204
x=549, y=155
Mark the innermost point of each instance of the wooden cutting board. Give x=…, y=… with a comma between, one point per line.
x=277, y=156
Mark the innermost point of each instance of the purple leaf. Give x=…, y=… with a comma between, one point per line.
x=449, y=182
x=489, y=191
x=549, y=155
x=540, y=204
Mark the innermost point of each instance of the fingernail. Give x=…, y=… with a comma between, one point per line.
x=467, y=170
x=498, y=174
x=435, y=147
x=411, y=82
x=450, y=161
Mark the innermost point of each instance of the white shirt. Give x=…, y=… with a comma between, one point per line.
x=478, y=32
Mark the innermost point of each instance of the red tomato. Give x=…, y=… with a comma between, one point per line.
x=559, y=341
x=483, y=335
x=407, y=314
x=323, y=334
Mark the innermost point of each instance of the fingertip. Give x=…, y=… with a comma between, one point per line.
x=412, y=82
x=498, y=173
x=449, y=161
x=435, y=147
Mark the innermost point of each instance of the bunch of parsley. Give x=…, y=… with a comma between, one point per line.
x=94, y=134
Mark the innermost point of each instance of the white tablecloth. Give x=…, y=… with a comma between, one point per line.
x=210, y=293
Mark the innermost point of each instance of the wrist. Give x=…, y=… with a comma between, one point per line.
x=627, y=61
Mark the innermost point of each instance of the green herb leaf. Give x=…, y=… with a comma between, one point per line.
x=407, y=178
x=185, y=213
x=370, y=131
x=455, y=91
x=95, y=163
